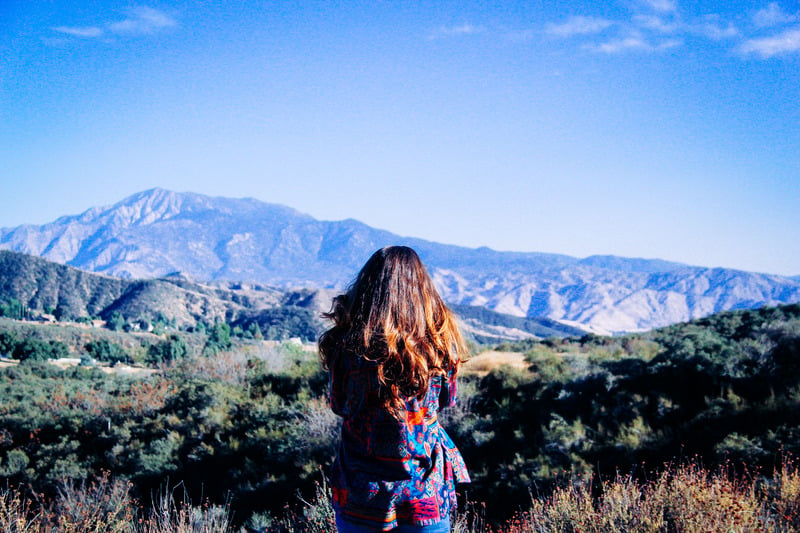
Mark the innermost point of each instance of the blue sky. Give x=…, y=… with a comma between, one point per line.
x=641, y=128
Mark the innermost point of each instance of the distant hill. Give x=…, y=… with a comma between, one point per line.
x=158, y=232
x=45, y=287
x=58, y=289
x=488, y=326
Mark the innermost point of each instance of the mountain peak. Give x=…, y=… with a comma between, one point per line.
x=147, y=207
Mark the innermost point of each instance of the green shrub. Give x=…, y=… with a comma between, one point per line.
x=172, y=349
x=106, y=351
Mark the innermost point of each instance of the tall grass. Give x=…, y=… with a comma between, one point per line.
x=685, y=498
x=106, y=506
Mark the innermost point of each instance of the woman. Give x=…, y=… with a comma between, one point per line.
x=393, y=354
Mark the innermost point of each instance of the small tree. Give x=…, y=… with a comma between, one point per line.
x=254, y=332
x=107, y=351
x=8, y=342
x=168, y=351
x=116, y=322
x=13, y=309
x=219, y=337
x=30, y=349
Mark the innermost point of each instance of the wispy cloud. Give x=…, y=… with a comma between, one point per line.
x=142, y=20
x=633, y=43
x=656, y=23
x=659, y=25
x=652, y=26
x=578, y=26
x=625, y=44
x=783, y=43
x=712, y=28
x=456, y=31
x=139, y=21
x=772, y=15
x=85, y=31
x=668, y=44
x=662, y=6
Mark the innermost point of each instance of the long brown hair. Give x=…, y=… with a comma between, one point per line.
x=393, y=315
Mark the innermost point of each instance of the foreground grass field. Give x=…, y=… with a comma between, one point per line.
x=685, y=498
x=226, y=433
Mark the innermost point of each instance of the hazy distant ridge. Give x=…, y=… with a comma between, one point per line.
x=157, y=232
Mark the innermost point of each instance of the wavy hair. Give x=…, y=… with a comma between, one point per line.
x=393, y=315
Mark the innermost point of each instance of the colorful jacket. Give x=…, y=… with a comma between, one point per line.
x=388, y=470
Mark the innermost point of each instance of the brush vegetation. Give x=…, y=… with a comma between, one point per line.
x=680, y=429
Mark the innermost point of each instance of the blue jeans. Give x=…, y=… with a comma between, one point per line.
x=343, y=526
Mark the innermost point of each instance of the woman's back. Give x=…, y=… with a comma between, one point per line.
x=393, y=366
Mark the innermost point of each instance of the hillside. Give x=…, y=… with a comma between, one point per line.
x=69, y=293
x=158, y=232
x=249, y=425
x=44, y=287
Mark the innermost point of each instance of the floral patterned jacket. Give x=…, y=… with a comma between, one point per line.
x=388, y=470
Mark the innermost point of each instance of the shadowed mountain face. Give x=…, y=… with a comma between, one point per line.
x=158, y=232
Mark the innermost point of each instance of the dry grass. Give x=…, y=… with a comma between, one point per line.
x=170, y=516
x=485, y=362
x=105, y=506
x=681, y=499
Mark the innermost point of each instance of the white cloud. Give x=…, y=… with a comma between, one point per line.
x=772, y=15
x=579, y=26
x=662, y=6
x=712, y=28
x=456, y=31
x=655, y=23
x=669, y=43
x=634, y=42
x=86, y=31
x=783, y=43
x=625, y=44
x=142, y=20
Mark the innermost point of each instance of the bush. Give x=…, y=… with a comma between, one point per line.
x=36, y=350
x=8, y=341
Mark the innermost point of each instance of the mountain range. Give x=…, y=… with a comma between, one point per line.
x=159, y=233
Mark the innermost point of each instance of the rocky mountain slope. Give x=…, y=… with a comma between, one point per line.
x=158, y=232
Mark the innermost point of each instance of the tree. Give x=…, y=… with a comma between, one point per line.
x=30, y=349
x=219, y=337
x=13, y=309
x=8, y=342
x=107, y=351
x=254, y=332
x=115, y=322
x=168, y=351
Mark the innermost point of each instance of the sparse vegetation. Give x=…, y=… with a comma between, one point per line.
x=683, y=497
x=244, y=429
